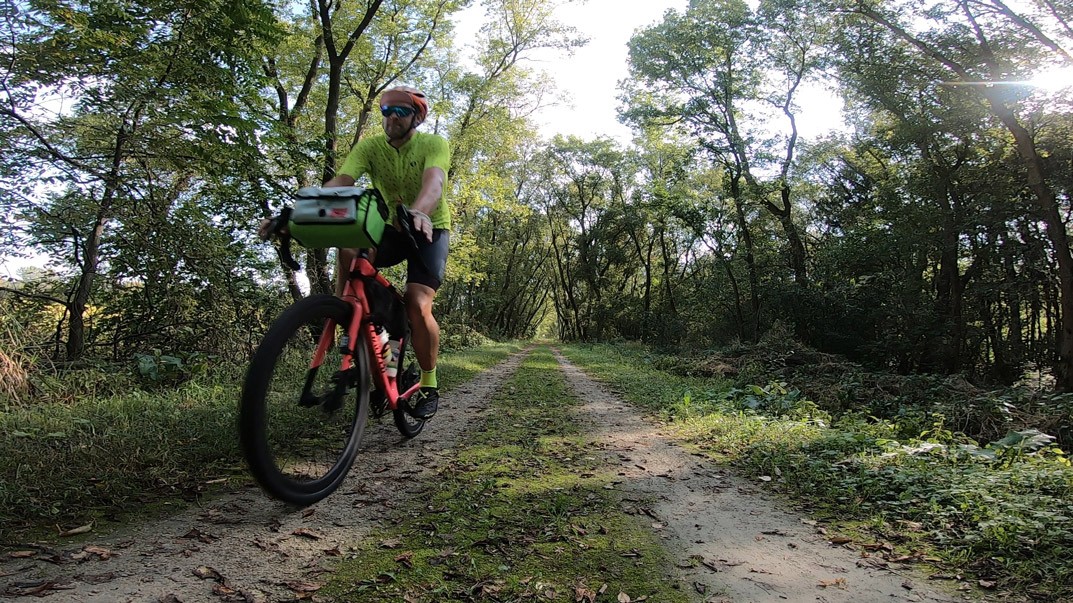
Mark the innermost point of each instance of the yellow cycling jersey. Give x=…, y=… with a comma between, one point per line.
x=397, y=173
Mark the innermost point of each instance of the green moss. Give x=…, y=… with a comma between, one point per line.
x=522, y=512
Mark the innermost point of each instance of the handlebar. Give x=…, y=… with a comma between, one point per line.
x=278, y=229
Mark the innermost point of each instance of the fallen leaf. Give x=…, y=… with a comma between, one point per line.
x=912, y=526
x=837, y=582
x=406, y=559
x=222, y=590
x=99, y=551
x=582, y=594
x=205, y=571
x=37, y=589
x=841, y=540
x=21, y=554
x=392, y=543
x=79, y=530
x=765, y=478
x=196, y=534
x=624, y=598
x=306, y=533
x=986, y=584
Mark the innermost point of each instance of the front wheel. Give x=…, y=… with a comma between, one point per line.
x=300, y=427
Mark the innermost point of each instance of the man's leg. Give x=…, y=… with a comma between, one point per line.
x=425, y=337
x=424, y=330
x=343, y=258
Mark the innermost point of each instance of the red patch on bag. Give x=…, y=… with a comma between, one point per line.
x=338, y=212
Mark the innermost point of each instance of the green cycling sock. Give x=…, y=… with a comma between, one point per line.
x=428, y=378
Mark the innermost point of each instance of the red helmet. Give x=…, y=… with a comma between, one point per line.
x=405, y=95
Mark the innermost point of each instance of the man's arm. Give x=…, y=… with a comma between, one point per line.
x=427, y=200
x=340, y=180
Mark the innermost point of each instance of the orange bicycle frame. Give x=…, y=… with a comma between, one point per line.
x=361, y=269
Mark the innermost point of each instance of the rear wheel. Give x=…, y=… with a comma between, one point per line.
x=300, y=427
x=407, y=424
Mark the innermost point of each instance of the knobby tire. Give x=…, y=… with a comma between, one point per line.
x=301, y=454
x=408, y=425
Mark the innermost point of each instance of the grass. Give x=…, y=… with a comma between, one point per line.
x=69, y=463
x=1003, y=514
x=525, y=511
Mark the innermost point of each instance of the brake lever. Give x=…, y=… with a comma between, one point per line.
x=279, y=230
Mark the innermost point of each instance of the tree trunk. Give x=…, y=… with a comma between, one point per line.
x=1048, y=211
x=76, y=335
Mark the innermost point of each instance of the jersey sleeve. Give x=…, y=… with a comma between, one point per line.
x=356, y=164
x=439, y=154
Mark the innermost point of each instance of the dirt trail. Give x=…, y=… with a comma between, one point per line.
x=732, y=544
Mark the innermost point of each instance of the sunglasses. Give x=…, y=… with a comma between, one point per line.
x=387, y=111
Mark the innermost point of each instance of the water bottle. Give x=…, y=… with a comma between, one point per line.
x=381, y=334
x=393, y=360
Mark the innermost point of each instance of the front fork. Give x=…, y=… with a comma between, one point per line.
x=343, y=379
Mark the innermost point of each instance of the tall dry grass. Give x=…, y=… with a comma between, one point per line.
x=14, y=371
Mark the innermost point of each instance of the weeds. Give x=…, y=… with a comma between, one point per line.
x=14, y=377
x=74, y=458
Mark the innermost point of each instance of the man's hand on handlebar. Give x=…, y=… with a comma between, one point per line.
x=422, y=223
x=271, y=227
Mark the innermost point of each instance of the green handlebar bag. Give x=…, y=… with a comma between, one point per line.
x=344, y=216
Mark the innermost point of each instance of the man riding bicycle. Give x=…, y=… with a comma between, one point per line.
x=408, y=168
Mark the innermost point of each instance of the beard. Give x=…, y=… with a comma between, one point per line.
x=397, y=130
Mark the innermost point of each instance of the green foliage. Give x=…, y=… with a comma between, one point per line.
x=157, y=370
x=457, y=337
x=94, y=442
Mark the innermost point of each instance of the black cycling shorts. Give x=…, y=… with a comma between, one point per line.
x=426, y=266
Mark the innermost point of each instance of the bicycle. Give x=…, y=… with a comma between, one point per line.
x=298, y=430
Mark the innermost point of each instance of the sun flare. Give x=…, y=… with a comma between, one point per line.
x=1053, y=79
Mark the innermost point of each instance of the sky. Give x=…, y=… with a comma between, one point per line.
x=592, y=74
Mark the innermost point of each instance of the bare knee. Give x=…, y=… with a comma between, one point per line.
x=419, y=300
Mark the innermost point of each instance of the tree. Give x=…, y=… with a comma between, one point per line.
x=984, y=44
x=722, y=70
x=146, y=83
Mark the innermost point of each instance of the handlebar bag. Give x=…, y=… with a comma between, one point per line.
x=345, y=216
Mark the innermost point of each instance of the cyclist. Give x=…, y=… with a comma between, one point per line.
x=408, y=168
